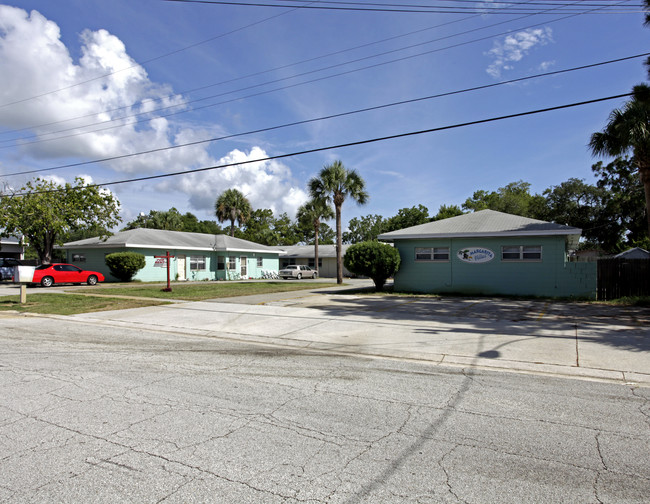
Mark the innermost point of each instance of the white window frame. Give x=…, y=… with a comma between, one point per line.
x=431, y=254
x=197, y=263
x=524, y=253
x=232, y=263
x=260, y=262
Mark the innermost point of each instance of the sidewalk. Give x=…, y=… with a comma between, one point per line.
x=550, y=338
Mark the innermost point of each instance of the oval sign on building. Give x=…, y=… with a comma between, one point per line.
x=475, y=255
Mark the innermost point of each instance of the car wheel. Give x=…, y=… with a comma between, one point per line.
x=299, y=276
x=47, y=281
x=92, y=280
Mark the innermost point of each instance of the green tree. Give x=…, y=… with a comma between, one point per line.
x=259, y=228
x=124, y=265
x=447, y=211
x=366, y=228
x=407, y=217
x=286, y=230
x=45, y=212
x=192, y=224
x=310, y=215
x=263, y=228
x=373, y=259
x=628, y=131
x=578, y=204
x=514, y=198
x=625, y=219
x=335, y=184
x=233, y=206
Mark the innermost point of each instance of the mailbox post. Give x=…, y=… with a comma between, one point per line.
x=23, y=275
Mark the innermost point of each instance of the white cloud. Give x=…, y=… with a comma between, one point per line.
x=514, y=47
x=266, y=184
x=34, y=62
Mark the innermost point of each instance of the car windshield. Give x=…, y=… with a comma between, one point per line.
x=43, y=266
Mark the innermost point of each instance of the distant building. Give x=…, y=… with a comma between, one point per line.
x=197, y=256
x=12, y=247
x=304, y=254
x=493, y=253
x=634, y=253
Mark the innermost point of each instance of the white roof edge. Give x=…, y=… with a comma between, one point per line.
x=171, y=247
x=249, y=250
x=569, y=232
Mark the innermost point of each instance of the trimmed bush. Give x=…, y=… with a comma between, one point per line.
x=375, y=260
x=124, y=265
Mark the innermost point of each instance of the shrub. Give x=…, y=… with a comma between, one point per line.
x=124, y=265
x=378, y=261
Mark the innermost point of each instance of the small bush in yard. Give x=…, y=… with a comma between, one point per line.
x=124, y=265
x=374, y=260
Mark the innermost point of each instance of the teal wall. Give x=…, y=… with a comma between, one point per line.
x=553, y=276
x=150, y=273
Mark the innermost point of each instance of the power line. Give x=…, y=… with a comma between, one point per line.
x=267, y=71
x=399, y=8
x=281, y=80
x=348, y=144
x=155, y=58
x=323, y=118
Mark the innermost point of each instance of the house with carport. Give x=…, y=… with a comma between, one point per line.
x=196, y=256
x=492, y=253
x=306, y=255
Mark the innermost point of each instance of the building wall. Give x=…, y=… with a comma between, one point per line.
x=551, y=276
x=95, y=260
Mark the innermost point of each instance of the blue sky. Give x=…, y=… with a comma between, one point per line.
x=71, y=66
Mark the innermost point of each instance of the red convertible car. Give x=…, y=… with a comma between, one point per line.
x=49, y=274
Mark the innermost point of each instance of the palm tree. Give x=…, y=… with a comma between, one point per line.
x=232, y=205
x=334, y=184
x=628, y=130
x=311, y=213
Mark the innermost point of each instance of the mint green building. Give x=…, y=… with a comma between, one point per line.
x=197, y=256
x=492, y=253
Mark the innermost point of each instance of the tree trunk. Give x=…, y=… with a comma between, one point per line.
x=316, y=229
x=644, y=175
x=339, y=260
x=232, y=228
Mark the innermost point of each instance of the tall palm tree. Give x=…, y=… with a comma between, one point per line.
x=232, y=205
x=335, y=184
x=311, y=213
x=628, y=130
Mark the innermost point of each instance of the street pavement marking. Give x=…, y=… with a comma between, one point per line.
x=543, y=312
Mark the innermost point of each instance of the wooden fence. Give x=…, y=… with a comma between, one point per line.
x=623, y=277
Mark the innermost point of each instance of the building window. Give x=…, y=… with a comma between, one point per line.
x=197, y=263
x=260, y=262
x=232, y=263
x=311, y=261
x=521, y=253
x=441, y=254
x=78, y=258
x=432, y=253
x=221, y=263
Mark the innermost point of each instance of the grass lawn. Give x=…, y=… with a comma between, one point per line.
x=70, y=304
x=121, y=296
x=201, y=290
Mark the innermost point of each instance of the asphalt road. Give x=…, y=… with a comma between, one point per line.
x=99, y=413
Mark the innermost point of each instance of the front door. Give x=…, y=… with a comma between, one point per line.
x=244, y=266
x=180, y=267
